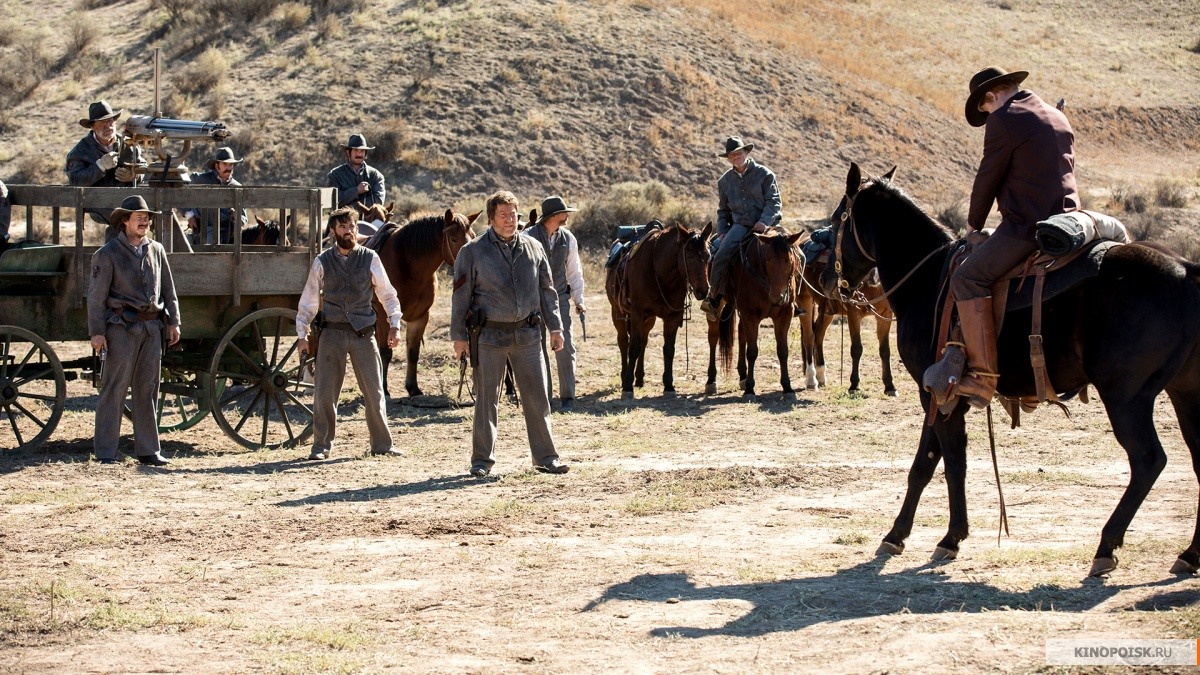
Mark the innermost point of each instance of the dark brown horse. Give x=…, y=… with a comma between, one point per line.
x=263, y=233
x=411, y=255
x=653, y=282
x=822, y=310
x=1132, y=331
x=762, y=284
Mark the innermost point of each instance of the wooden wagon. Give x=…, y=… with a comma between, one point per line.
x=237, y=358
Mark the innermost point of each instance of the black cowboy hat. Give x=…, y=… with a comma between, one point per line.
x=134, y=204
x=981, y=84
x=554, y=205
x=357, y=142
x=98, y=111
x=733, y=144
x=223, y=154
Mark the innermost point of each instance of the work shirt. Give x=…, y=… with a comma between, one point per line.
x=749, y=198
x=126, y=280
x=205, y=217
x=508, y=281
x=346, y=181
x=562, y=250
x=82, y=170
x=310, y=298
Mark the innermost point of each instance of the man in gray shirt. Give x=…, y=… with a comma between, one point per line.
x=505, y=280
x=748, y=201
x=131, y=301
x=94, y=159
x=355, y=180
x=220, y=172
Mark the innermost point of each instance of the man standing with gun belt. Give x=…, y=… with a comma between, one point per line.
x=341, y=283
x=503, y=291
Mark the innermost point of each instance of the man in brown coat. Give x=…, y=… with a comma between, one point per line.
x=1028, y=170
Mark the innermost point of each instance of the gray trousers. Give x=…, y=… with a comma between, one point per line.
x=529, y=373
x=988, y=262
x=565, y=356
x=721, y=259
x=134, y=361
x=331, y=373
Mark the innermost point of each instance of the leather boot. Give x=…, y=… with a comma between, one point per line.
x=979, y=335
x=710, y=305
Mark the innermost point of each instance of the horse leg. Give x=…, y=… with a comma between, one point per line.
x=819, y=330
x=640, y=375
x=710, y=386
x=510, y=389
x=952, y=436
x=1133, y=426
x=414, y=334
x=670, y=331
x=751, y=357
x=854, y=317
x=783, y=323
x=929, y=453
x=883, y=331
x=808, y=349
x=743, y=332
x=1187, y=411
x=636, y=345
x=621, y=323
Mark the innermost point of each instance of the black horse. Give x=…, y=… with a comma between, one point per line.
x=1131, y=332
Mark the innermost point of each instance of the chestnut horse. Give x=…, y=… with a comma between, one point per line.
x=264, y=233
x=822, y=309
x=762, y=284
x=652, y=282
x=1132, y=331
x=411, y=255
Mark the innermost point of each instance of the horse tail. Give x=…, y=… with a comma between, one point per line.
x=725, y=337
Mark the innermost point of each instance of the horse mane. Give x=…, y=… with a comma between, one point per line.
x=420, y=234
x=894, y=193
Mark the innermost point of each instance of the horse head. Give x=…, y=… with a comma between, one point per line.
x=852, y=255
x=375, y=212
x=456, y=232
x=694, y=256
x=263, y=233
x=779, y=261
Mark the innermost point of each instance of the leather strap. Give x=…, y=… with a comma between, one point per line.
x=1037, y=354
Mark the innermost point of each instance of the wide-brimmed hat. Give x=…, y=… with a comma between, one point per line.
x=223, y=154
x=554, y=205
x=981, y=84
x=733, y=144
x=98, y=111
x=357, y=142
x=134, y=204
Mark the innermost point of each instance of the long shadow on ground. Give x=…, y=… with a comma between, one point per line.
x=379, y=492
x=863, y=592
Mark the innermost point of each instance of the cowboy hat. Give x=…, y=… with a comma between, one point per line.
x=733, y=144
x=357, y=142
x=981, y=84
x=134, y=204
x=223, y=154
x=98, y=111
x=554, y=205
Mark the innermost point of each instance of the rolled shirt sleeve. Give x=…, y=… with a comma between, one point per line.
x=310, y=299
x=575, y=272
x=386, y=293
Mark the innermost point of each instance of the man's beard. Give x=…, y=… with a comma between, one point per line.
x=346, y=242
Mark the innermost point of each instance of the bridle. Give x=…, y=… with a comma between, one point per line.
x=686, y=277
x=448, y=254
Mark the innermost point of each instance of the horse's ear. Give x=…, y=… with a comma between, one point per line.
x=532, y=216
x=853, y=179
x=449, y=217
x=260, y=221
x=707, y=231
x=471, y=218
x=888, y=176
x=362, y=208
x=389, y=208
x=792, y=239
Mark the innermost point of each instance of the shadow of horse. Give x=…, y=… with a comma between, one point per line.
x=381, y=492
x=858, y=592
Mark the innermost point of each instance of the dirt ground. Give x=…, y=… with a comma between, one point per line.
x=692, y=534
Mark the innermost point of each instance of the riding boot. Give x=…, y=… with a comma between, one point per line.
x=710, y=306
x=979, y=336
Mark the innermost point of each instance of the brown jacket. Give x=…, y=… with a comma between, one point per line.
x=1028, y=166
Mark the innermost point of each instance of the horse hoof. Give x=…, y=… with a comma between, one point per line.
x=627, y=396
x=1182, y=566
x=790, y=396
x=669, y=393
x=749, y=398
x=812, y=384
x=888, y=548
x=1102, y=566
x=942, y=553
x=892, y=393
x=710, y=390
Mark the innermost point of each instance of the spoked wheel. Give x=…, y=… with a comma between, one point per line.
x=266, y=403
x=33, y=389
x=184, y=399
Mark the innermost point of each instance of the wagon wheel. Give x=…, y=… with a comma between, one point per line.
x=183, y=399
x=33, y=389
x=266, y=403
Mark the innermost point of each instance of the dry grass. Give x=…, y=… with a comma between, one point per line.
x=206, y=73
x=293, y=16
x=631, y=204
x=1170, y=193
x=390, y=138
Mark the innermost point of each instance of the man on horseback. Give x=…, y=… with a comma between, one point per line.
x=220, y=172
x=748, y=201
x=355, y=180
x=1028, y=170
x=562, y=249
x=102, y=158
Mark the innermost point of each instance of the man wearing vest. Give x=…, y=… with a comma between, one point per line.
x=341, y=283
x=563, y=251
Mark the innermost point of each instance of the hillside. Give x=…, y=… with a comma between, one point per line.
x=464, y=97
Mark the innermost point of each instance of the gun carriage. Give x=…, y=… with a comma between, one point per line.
x=237, y=358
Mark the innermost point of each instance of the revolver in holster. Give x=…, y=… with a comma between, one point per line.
x=476, y=319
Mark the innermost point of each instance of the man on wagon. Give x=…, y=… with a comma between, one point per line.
x=131, y=302
x=503, y=292
x=356, y=181
x=102, y=158
x=341, y=284
x=220, y=172
x=748, y=201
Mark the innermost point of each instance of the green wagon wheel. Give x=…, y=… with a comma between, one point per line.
x=33, y=389
x=266, y=403
x=183, y=399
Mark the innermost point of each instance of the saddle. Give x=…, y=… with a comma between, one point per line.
x=627, y=239
x=1051, y=276
x=376, y=240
